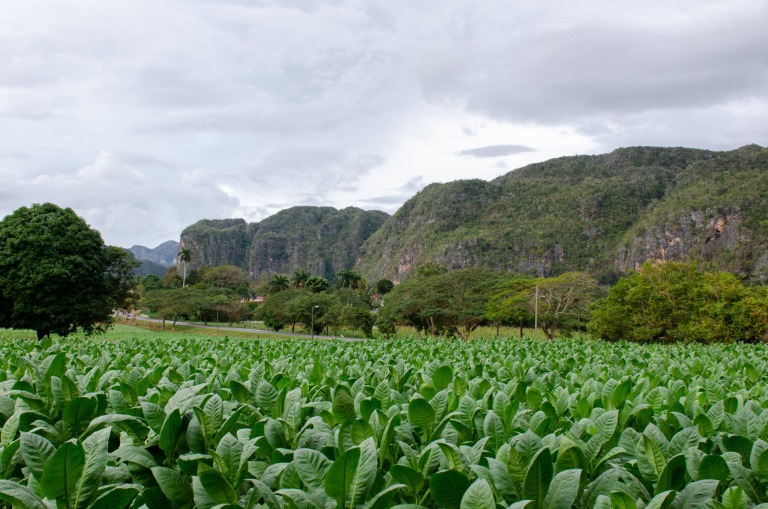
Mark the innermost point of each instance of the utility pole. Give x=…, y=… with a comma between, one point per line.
x=536, y=313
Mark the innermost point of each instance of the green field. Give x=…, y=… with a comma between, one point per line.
x=142, y=419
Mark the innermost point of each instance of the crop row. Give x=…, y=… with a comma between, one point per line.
x=137, y=421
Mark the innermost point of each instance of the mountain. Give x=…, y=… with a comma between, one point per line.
x=146, y=268
x=604, y=214
x=164, y=254
x=321, y=240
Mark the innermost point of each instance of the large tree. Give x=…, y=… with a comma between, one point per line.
x=437, y=302
x=676, y=301
x=56, y=274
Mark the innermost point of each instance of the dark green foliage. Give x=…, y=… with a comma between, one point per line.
x=279, y=283
x=56, y=274
x=196, y=303
x=451, y=303
x=141, y=419
x=601, y=214
x=677, y=301
x=226, y=277
x=316, y=284
x=320, y=240
x=384, y=286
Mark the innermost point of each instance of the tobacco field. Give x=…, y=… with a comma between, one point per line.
x=135, y=420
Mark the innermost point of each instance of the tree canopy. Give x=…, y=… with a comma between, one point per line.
x=56, y=274
x=676, y=301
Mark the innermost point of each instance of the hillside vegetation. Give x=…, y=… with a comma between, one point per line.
x=321, y=240
x=603, y=214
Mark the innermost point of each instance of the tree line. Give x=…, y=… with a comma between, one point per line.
x=58, y=276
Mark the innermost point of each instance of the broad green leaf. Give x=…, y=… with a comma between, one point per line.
x=116, y=497
x=312, y=467
x=538, y=477
x=383, y=499
x=734, y=498
x=351, y=476
x=622, y=500
x=173, y=484
x=154, y=415
x=36, y=451
x=452, y=456
x=343, y=404
x=228, y=454
x=673, y=475
x=96, y=456
x=740, y=445
x=569, y=456
x=661, y=500
x=216, y=485
x=758, y=459
x=170, y=433
x=63, y=471
x=522, y=504
x=714, y=467
x=479, y=495
x=447, y=488
x=421, y=413
x=684, y=440
x=654, y=455
x=301, y=499
x=407, y=476
x=137, y=455
x=606, y=427
x=20, y=496
x=442, y=378
x=695, y=495
x=493, y=428
x=563, y=490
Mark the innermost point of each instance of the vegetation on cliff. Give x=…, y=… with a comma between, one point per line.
x=322, y=240
x=601, y=214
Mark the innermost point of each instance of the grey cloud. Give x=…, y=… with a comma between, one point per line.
x=412, y=186
x=148, y=118
x=554, y=75
x=385, y=200
x=496, y=151
x=313, y=168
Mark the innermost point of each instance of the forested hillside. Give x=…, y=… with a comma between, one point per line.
x=321, y=240
x=604, y=214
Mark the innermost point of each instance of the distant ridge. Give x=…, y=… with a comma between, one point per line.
x=321, y=240
x=605, y=214
x=164, y=254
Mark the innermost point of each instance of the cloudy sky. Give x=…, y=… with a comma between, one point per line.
x=147, y=115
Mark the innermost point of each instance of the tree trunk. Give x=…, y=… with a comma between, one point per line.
x=521, y=329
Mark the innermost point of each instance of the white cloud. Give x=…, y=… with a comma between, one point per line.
x=146, y=117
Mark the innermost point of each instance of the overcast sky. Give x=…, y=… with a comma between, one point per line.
x=145, y=116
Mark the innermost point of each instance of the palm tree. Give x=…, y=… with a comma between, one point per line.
x=300, y=278
x=185, y=256
x=348, y=278
x=279, y=283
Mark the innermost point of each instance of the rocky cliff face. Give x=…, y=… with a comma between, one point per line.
x=164, y=254
x=216, y=242
x=604, y=214
x=321, y=240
